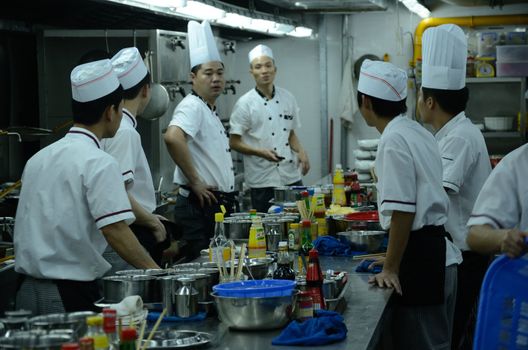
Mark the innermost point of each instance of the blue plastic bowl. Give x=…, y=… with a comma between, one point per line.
x=255, y=289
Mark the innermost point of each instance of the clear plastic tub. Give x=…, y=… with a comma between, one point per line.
x=512, y=53
x=512, y=69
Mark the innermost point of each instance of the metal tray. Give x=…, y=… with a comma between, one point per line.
x=171, y=339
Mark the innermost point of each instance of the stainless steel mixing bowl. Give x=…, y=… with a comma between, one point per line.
x=255, y=313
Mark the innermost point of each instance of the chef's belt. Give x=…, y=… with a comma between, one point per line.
x=422, y=269
x=227, y=199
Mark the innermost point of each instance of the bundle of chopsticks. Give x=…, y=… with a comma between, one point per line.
x=232, y=275
x=140, y=344
x=306, y=212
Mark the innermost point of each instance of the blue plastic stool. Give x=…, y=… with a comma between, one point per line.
x=502, y=319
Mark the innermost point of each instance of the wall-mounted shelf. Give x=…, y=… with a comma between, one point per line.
x=496, y=97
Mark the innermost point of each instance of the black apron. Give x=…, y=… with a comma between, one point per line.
x=422, y=269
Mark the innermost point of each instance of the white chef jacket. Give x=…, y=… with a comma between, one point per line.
x=126, y=148
x=208, y=144
x=466, y=166
x=267, y=123
x=409, y=171
x=502, y=202
x=70, y=190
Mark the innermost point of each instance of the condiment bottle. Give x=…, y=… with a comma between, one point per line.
x=355, y=192
x=109, y=326
x=284, y=270
x=257, y=237
x=306, y=237
x=293, y=237
x=320, y=213
x=70, y=346
x=95, y=330
x=304, y=306
x=339, y=186
x=314, y=280
x=128, y=339
x=219, y=249
x=86, y=343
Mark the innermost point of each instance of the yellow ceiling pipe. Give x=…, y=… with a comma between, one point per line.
x=473, y=21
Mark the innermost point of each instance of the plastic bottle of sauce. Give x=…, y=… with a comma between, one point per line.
x=284, y=270
x=257, y=237
x=95, y=330
x=314, y=280
x=219, y=249
x=339, y=186
x=128, y=339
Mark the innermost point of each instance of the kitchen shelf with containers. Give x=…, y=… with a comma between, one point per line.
x=498, y=106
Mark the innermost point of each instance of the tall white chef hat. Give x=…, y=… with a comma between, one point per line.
x=202, y=45
x=129, y=67
x=444, y=55
x=382, y=80
x=93, y=80
x=260, y=50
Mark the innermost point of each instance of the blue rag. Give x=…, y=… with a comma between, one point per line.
x=328, y=245
x=363, y=267
x=325, y=328
x=154, y=315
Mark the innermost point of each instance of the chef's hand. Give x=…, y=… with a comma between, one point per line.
x=379, y=261
x=386, y=279
x=270, y=155
x=203, y=192
x=513, y=243
x=158, y=229
x=304, y=163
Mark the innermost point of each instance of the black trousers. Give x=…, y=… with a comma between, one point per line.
x=261, y=196
x=470, y=276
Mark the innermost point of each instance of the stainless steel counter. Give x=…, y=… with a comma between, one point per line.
x=366, y=306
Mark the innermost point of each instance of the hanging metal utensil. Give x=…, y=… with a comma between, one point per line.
x=28, y=133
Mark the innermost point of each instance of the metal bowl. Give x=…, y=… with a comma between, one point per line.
x=34, y=340
x=369, y=241
x=338, y=223
x=116, y=288
x=258, y=267
x=255, y=313
x=237, y=228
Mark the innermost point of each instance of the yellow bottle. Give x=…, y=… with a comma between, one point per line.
x=257, y=239
x=95, y=331
x=338, y=196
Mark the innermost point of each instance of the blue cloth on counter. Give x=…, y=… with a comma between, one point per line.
x=154, y=315
x=363, y=267
x=325, y=328
x=329, y=245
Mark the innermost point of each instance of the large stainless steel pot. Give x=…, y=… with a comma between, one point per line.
x=369, y=241
x=116, y=288
x=237, y=228
x=284, y=194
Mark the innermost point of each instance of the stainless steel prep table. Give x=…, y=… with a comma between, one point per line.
x=365, y=309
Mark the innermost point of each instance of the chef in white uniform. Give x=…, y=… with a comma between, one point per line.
x=421, y=262
x=499, y=221
x=262, y=127
x=465, y=160
x=198, y=143
x=73, y=204
x=126, y=148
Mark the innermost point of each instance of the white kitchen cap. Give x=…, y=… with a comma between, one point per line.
x=129, y=67
x=93, y=80
x=382, y=80
x=202, y=45
x=260, y=50
x=444, y=55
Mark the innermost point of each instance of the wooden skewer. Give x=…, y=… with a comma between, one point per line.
x=232, y=270
x=141, y=334
x=154, y=329
x=241, y=258
x=366, y=256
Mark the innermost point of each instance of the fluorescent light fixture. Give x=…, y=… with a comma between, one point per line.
x=235, y=20
x=199, y=10
x=301, y=32
x=262, y=25
x=164, y=3
x=416, y=7
x=281, y=29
